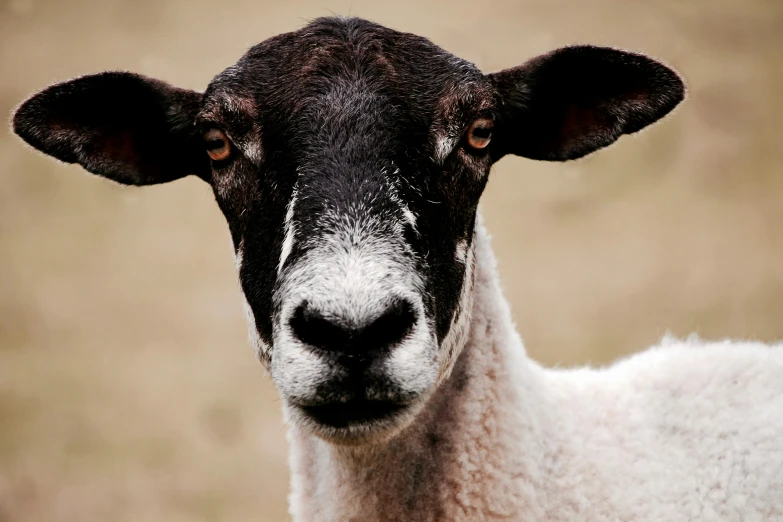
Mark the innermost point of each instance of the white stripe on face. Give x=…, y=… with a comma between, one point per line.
x=289, y=228
x=259, y=346
x=443, y=147
x=409, y=216
x=459, y=329
x=461, y=252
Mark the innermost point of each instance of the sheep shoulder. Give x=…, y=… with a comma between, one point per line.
x=687, y=430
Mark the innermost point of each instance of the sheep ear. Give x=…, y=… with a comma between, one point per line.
x=123, y=126
x=576, y=100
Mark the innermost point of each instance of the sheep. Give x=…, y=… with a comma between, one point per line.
x=348, y=160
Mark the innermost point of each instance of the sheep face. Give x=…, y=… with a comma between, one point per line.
x=348, y=160
x=360, y=157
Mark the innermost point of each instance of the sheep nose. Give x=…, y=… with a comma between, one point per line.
x=366, y=341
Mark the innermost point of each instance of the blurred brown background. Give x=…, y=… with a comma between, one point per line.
x=128, y=391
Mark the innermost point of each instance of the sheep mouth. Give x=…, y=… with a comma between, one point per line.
x=352, y=413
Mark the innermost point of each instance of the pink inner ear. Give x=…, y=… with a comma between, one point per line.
x=122, y=148
x=119, y=146
x=579, y=122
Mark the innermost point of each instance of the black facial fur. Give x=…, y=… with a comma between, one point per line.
x=354, y=117
x=358, y=125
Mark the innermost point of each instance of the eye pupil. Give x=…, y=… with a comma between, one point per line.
x=482, y=132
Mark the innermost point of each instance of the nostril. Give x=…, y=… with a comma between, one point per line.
x=312, y=328
x=333, y=335
x=390, y=328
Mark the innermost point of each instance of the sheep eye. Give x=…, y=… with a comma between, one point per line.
x=479, y=133
x=217, y=144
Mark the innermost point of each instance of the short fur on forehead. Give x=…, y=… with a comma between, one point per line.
x=410, y=72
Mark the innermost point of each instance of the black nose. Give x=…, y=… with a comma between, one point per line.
x=339, y=337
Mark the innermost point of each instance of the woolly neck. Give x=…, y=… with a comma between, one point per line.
x=477, y=451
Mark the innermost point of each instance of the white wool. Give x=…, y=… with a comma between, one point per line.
x=687, y=430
